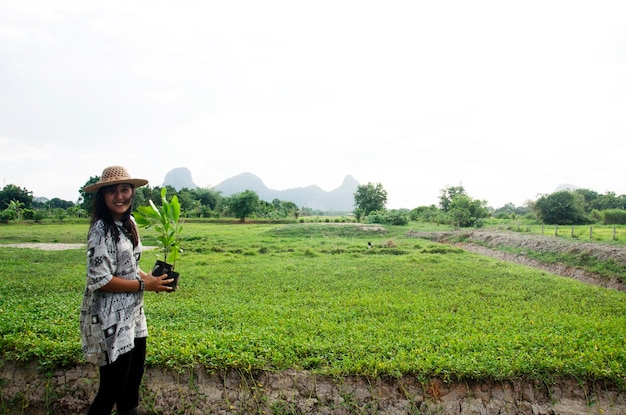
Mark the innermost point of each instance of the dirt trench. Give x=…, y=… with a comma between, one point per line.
x=28, y=391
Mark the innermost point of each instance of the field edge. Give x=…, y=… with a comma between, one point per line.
x=27, y=389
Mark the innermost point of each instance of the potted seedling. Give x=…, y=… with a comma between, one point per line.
x=165, y=220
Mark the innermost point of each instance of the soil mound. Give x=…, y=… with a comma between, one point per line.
x=488, y=243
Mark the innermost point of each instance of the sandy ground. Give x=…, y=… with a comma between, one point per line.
x=56, y=246
x=44, y=246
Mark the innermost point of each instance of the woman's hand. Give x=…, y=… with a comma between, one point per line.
x=158, y=283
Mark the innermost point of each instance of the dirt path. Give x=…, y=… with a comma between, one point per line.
x=44, y=246
x=55, y=246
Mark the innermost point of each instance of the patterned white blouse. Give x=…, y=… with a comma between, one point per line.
x=110, y=322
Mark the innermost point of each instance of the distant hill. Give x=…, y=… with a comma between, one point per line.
x=179, y=178
x=565, y=186
x=340, y=199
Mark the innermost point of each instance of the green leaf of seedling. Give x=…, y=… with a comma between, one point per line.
x=141, y=220
x=169, y=240
x=147, y=214
x=166, y=210
x=155, y=210
x=173, y=255
x=175, y=204
x=165, y=221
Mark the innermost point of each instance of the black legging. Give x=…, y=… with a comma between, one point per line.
x=120, y=381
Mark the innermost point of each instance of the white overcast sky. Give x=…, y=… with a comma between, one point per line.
x=508, y=98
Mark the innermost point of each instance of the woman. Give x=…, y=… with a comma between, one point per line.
x=112, y=321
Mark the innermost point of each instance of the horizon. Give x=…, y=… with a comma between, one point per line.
x=435, y=201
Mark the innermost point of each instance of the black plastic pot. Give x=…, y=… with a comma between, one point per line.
x=161, y=268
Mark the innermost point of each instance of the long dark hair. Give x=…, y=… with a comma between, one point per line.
x=100, y=211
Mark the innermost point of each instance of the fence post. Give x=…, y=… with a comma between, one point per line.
x=572, y=231
x=556, y=230
x=590, y=232
x=542, y=225
x=614, y=235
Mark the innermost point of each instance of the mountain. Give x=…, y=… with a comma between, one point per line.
x=340, y=199
x=179, y=178
x=566, y=186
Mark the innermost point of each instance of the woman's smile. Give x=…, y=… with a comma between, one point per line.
x=119, y=199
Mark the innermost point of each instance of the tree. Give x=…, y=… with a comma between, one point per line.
x=448, y=194
x=56, y=203
x=243, y=204
x=589, y=196
x=189, y=204
x=208, y=197
x=562, y=208
x=465, y=211
x=11, y=192
x=88, y=198
x=609, y=200
x=15, y=206
x=369, y=198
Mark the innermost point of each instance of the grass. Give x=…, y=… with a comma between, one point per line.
x=26, y=231
x=314, y=297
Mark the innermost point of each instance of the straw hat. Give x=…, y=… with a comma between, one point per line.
x=114, y=175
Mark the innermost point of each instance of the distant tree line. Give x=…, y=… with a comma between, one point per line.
x=456, y=207
x=18, y=203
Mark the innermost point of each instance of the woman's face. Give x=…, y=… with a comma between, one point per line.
x=118, y=199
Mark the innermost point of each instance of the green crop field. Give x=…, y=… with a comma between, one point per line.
x=315, y=297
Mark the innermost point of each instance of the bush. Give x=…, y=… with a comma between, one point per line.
x=7, y=215
x=375, y=217
x=388, y=218
x=614, y=217
x=28, y=214
x=40, y=215
x=397, y=219
x=479, y=223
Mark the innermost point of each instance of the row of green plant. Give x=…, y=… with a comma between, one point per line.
x=318, y=297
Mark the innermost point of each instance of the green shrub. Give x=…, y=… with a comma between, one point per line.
x=614, y=217
x=388, y=218
x=7, y=215
x=28, y=214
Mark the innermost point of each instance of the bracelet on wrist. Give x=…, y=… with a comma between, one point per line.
x=142, y=285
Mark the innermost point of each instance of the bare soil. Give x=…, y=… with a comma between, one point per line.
x=26, y=390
